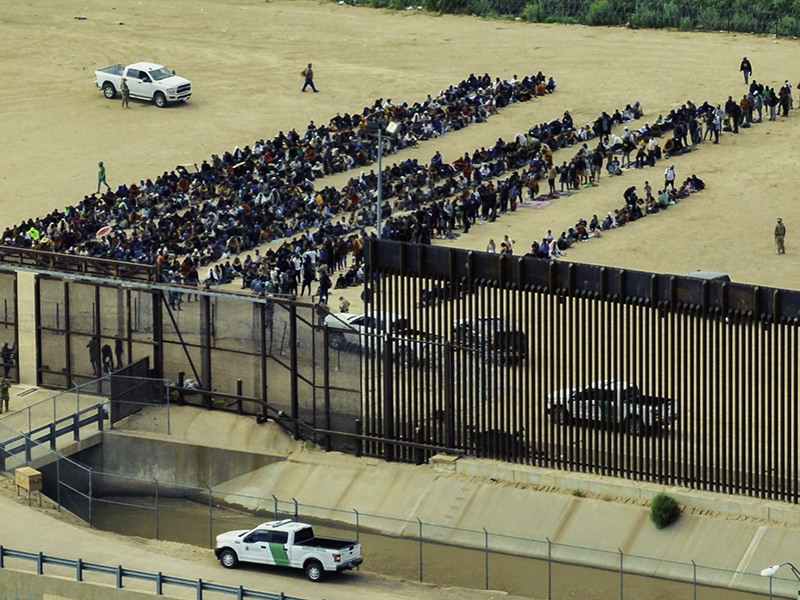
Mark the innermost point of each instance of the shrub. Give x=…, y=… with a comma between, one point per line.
x=664, y=511
x=686, y=24
x=601, y=13
x=531, y=13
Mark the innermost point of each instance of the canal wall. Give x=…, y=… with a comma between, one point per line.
x=575, y=518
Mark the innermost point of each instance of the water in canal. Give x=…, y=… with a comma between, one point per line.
x=186, y=521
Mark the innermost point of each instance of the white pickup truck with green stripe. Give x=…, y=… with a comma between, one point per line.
x=287, y=544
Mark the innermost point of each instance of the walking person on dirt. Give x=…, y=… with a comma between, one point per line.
x=746, y=69
x=780, y=235
x=101, y=177
x=126, y=92
x=5, y=384
x=308, y=74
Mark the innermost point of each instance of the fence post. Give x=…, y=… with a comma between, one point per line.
x=157, y=515
x=76, y=427
x=295, y=510
x=90, y=497
x=549, y=569
x=694, y=578
x=2, y=552
x=199, y=589
x=210, y=520
x=100, y=410
x=275, y=504
x=58, y=482
x=52, y=435
x=28, y=448
x=240, y=393
x=359, y=441
x=40, y=564
x=620, y=573
x=159, y=590
x=420, y=549
x=240, y=593
x=486, y=555
x=169, y=423
x=357, y=527
x=79, y=570
x=119, y=577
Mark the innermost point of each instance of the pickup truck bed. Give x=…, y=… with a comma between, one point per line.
x=117, y=70
x=328, y=544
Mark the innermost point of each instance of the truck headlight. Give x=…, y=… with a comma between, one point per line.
x=172, y=91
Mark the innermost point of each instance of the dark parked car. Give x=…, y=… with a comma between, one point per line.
x=493, y=338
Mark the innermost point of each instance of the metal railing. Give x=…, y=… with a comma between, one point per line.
x=120, y=574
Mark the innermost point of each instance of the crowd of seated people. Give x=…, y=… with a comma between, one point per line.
x=245, y=198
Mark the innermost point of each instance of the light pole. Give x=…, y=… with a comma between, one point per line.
x=770, y=572
x=374, y=127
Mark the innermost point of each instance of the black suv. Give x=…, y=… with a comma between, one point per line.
x=493, y=338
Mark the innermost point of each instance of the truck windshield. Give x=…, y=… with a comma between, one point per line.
x=303, y=535
x=161, y=73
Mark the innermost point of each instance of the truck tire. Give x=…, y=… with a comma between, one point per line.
x=109, y=91
x=314, y=571
x=160, y=99
x=635, y=426
x=337, y=340
x=561, y=415
x=228, y=559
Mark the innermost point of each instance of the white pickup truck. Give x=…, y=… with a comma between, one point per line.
x=287, y=544
x=146, y=81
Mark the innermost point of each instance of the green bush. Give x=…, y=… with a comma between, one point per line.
x=686, y=24
x=601, y=13
x=664, y=511
x=531, y=13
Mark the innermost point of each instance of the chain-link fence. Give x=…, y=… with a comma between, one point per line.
x=411, y=549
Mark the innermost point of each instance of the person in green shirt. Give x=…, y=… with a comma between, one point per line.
x=101, y=176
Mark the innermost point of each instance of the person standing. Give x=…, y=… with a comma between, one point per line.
x=5, y=384
x=125, y=91
x=7, y=357
x=308, y=74
x=746, y=69
x=118, y=352
x=780, y=235
x=94, y=355
x=101, y=176
x=669, y=177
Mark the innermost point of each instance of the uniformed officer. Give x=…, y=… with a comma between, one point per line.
x=780, y=234
x=5, y=384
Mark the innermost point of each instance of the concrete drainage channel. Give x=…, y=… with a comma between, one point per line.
x=126, y=504
x=412, y=560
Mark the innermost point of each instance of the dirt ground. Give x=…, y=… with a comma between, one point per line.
x=244, y=58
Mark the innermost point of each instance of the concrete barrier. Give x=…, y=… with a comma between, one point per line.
x=17, y=584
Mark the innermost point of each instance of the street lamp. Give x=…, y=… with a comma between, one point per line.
x=373, y=128
x=770, y=572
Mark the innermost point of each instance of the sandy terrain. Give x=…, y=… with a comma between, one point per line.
x=244, y=60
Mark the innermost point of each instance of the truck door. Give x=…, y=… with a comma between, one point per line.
x=607, y=403
x=279, y=548
x=255, y=547
x=139, y=83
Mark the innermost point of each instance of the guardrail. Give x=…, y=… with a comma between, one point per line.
x=52, y=432
x=120, y=574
